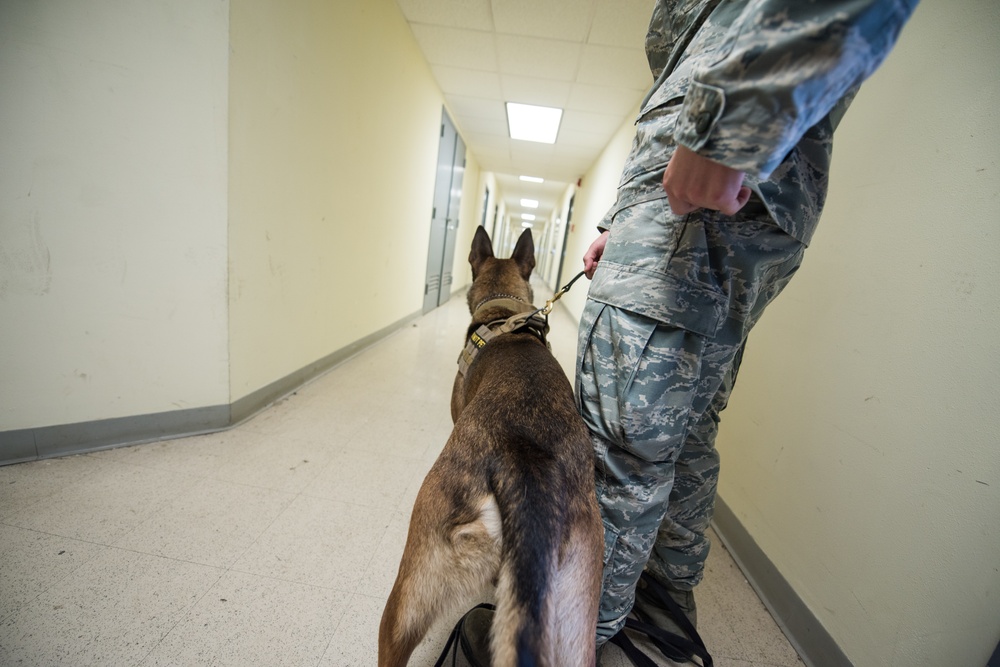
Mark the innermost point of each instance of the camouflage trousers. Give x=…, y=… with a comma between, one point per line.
x=661, y=338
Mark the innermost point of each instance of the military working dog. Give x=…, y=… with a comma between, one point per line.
x=510, y=502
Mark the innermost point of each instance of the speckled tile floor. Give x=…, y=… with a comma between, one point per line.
x=273, y=543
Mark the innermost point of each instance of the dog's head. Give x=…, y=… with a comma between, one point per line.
x=500, y=277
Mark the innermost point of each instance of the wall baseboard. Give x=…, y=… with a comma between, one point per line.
x=32, y=444
x=809, y=638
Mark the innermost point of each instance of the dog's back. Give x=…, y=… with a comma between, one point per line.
x=509, y=501
x=538, y=466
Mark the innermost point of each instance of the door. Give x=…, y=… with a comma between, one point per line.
x=451, y=222
x=444, y=215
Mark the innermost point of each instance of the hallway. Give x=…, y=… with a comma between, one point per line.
x=275, y=542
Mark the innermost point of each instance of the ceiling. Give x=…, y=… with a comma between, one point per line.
x=584, y=56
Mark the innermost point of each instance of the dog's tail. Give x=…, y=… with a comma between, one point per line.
x=549, y=577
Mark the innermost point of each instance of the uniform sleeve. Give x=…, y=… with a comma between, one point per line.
x=782, y=68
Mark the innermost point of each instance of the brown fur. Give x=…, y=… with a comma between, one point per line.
x=510, y=501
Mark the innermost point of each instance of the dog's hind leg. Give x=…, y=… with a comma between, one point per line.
x=443, y=567
x=576, y=591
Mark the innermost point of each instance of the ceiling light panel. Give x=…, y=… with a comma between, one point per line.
x=533, y=123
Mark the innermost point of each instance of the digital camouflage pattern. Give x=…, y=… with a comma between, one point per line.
x=651, y=392
x=757, y=85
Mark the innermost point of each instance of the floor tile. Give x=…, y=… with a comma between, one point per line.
x=104, y=506
x=365, y=479
x=248, y=620
x=113, y=610
x=276, y=462
x=380, y=572
x=214, y=523
x=25, y=484
x=32, y=562
x=198, y=456
x=318, y=542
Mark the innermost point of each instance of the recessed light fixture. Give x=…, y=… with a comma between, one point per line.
x=527, y=216
x=532, y=179
x=526, y=225
x=529, y=203
x=533, y=123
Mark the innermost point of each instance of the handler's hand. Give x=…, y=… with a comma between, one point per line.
x=593, y=255
x=692, y=182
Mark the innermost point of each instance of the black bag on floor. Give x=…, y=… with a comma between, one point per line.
x=674, y=647
x=466, y=640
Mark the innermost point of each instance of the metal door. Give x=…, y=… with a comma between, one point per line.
x=445, y=215
x=439, y=213
x=451, y=224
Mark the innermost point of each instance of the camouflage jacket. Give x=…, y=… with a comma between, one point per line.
x=759, y=86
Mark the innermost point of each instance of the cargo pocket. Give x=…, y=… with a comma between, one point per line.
x=611, y=352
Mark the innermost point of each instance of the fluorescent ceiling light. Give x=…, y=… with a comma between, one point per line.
x=532, y=179
x=529, y=203
x=526, y=225
x=527, y=216
x=532, y=123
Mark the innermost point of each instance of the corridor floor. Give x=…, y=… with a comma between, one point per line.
x=275, y=542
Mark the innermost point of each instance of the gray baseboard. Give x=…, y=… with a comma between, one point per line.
x=814, y=644
x=31, y=444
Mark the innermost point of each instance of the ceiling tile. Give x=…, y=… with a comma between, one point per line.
x=571, y=138
x=469, y=49
x=530, y=150
x=603, y=99
x=621, y=23
x=611, y=66
x=477, y=107
x=527, y=90
x=595, y=123
x=537, y=57
x=471, y=14
x=475, y=83
x=485, y=126
x=567, y=20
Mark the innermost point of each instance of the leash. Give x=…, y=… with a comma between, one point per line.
x=547, y=308
x=537, y=321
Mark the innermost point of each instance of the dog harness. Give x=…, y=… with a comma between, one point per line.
x=536, y=322
x=533, y=322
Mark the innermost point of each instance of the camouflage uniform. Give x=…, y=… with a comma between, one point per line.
x=757, y=85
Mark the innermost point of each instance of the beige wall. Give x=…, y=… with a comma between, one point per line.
x=334, y=136
x=112, y=209
x=860, y=446
x=200, y=199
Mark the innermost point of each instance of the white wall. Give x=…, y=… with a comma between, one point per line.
x=860, y=448
x=112, y=209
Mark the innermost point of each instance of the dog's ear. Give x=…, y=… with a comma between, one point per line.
x=524, y=254
x=482, y=249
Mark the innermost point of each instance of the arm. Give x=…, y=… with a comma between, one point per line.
x=783, y=67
